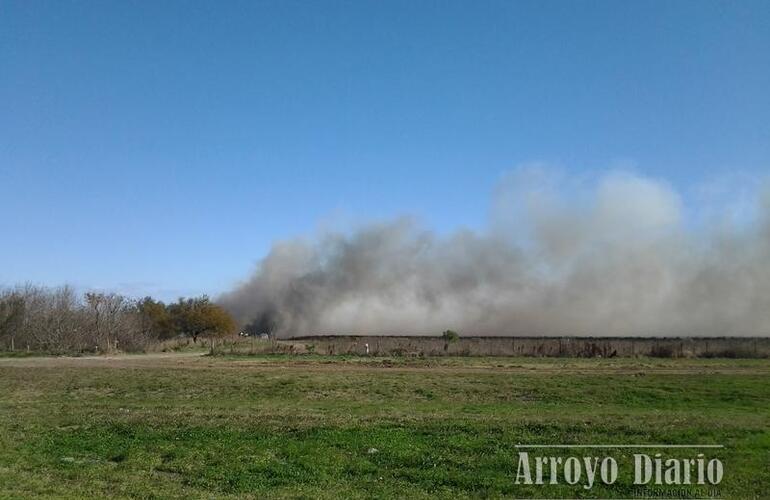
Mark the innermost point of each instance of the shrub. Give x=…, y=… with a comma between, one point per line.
x=450, y=336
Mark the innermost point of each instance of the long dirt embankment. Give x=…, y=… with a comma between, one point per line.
x=605, y=347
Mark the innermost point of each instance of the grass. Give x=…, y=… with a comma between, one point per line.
x=321, y=427
x=21, y=354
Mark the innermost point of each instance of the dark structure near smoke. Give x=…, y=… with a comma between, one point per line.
x=264, y=323
x=580, y=347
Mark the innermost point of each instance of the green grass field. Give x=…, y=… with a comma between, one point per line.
x=162, y=426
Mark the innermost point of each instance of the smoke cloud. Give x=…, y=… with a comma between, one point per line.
x=615, y=256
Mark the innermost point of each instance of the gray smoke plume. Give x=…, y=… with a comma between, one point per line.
x=618, y=256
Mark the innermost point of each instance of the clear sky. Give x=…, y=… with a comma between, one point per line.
x=161, y=147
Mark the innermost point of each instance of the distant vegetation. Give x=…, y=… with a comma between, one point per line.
x=58, y=320
x=450, y=336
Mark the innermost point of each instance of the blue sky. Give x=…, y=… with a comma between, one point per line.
x=161, y=147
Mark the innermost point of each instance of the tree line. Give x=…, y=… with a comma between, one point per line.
x=59, y=320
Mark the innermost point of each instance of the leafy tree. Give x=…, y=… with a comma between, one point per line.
x=450, y=336
x=155, y=318
x=198, y=316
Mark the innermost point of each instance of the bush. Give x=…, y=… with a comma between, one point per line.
x=450, y=336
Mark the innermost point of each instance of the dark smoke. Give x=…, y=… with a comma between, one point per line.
x=616, y=257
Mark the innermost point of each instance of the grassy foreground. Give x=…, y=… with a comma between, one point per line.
x=273, y=426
